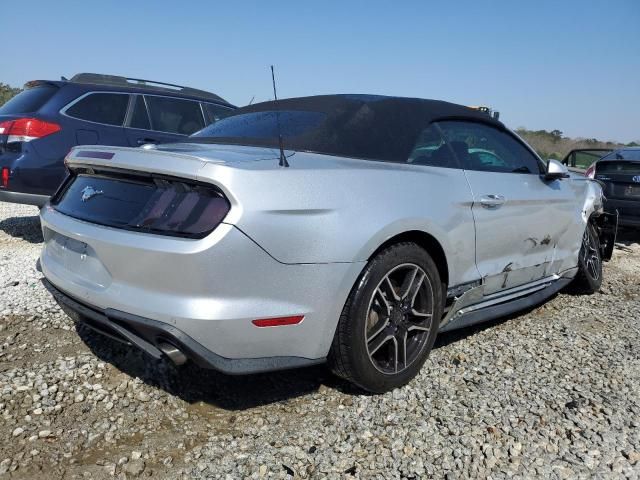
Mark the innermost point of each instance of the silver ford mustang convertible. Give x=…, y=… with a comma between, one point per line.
x=347, y=229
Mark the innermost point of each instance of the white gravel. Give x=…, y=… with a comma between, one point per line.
x=554, y=393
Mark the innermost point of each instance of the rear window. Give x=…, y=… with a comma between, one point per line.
x=265, y=125
x=29, y=100
x=173, y=115
x=354, y=126
x=107, y=108
x=216, y=112
x=623, y=155
x=612, y=166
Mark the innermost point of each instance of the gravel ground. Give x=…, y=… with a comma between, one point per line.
x=553, y=392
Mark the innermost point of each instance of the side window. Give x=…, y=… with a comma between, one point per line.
x=431, y=149
x=216, y=112
x=108, y=108
x=140, y=118
x=485, y=148
x=173, y=115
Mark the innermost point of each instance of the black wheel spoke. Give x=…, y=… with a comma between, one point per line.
x=411, y=284
x=377, y=342
x=389, y=289
x=383, y=301
x=400, y=340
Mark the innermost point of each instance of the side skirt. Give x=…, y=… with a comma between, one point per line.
x=490, y=312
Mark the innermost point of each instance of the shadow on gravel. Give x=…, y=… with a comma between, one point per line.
x=27, y=228
x=447, y=338
x=194, y=384
x=628, y=237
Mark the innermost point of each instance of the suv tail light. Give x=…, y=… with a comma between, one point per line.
x=591, y=171
x=4, y=182
x=27, y=129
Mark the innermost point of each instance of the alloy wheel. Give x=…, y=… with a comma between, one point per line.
x=399, y=318
x=591, y=254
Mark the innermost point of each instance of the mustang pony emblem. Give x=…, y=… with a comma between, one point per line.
x=89, y=192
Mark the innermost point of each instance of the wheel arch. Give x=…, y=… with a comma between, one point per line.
x=424, y=240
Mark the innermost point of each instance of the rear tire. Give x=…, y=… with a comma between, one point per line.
x=589, y=277
x=390, y=320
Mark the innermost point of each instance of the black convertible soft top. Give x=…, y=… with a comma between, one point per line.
x=358, y=126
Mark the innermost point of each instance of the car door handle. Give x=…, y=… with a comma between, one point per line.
x=492, y=201
x=142, y=141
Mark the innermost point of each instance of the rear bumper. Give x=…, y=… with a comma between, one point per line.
x=209, y=289
x=147, y=335
x=24, y=198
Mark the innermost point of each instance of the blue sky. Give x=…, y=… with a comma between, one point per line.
x=567, y=65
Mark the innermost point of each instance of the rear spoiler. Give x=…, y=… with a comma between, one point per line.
x=37, y=83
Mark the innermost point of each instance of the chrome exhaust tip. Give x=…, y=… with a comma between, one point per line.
x=174, y=354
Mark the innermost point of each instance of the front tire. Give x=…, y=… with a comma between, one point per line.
x=589, y=277
x=390, y=320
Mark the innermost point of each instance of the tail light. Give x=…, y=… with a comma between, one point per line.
x=591, y=171
x=5, y=177
x=152, y=205
x=177, y=208
x=27, y=129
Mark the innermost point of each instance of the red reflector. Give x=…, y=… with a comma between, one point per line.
x=27, y=129
x=278, y=322
x=5, y=177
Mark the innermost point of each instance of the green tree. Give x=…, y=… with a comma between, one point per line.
x=6, y=92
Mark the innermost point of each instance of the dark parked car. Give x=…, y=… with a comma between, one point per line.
x=619, y=173
x=41, y=124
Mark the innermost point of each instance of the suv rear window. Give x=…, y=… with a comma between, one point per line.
x=107, y=108
x=216, y=112
x=29, y=100
x=173, y=115
x=611, y=166
x=623, y=155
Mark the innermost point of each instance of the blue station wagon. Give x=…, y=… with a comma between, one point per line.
x=41, y=124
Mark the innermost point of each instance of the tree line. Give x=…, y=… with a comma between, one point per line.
x=553, y=144
x=6, y=92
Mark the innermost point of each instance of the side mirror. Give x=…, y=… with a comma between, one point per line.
x=556, y=170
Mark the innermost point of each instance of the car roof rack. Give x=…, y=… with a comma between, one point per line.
x=118, y=81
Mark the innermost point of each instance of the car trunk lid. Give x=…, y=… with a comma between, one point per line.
x=621, y=179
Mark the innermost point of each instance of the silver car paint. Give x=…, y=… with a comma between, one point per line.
x=296, y=240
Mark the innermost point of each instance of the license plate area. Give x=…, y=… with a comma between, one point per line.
x=77, y=261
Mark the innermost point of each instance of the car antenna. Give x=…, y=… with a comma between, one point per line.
x=283, y=159
x=252, y=99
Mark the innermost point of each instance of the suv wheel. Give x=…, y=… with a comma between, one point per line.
x=390, y=321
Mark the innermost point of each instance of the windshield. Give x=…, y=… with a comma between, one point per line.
x=29, y=100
